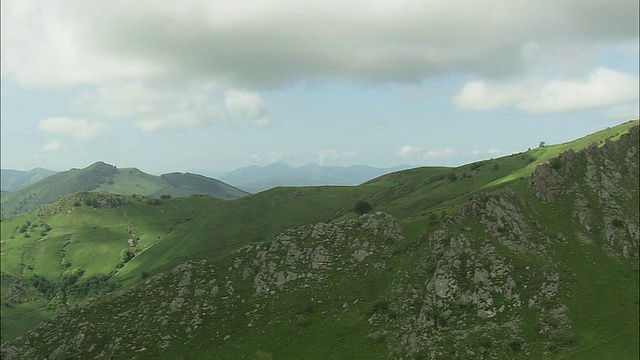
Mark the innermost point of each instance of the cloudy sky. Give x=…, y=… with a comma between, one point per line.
x=216, y=85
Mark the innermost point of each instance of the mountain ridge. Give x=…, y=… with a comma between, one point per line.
x=101, y=176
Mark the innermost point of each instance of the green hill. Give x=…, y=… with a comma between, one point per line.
x=108, y=178
x=530, y=256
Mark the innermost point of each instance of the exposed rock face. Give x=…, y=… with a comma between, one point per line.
x=473, y=292
x=309, y=253
x=597, y=180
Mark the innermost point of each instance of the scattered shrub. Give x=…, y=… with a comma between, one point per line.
x=362, y=207
x=379, y=306
x=70, y=277
x=304, y=310
x=126, y=255
x=486, y=343
x=92, y=202
x=515, y=346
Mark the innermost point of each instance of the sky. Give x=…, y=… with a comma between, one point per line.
x=209, y=86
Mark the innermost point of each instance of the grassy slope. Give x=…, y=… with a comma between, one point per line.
x=218, y=227
x=204, y=228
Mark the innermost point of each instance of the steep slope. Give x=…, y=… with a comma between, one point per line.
x=108, y=178
x=13, y=180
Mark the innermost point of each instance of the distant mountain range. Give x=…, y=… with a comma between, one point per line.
x=108, y=178
x=259, y=178
x=252, y=179
x=13, y=180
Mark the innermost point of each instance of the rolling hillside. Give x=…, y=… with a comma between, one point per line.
x=529, y=256
x=108, y=178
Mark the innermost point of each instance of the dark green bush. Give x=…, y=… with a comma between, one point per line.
x=515, y=346
x=617, y=223
x=362, y=207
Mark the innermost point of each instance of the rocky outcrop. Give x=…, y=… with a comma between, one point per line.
x=473, y=292
x=310, y=253
x=594, y=182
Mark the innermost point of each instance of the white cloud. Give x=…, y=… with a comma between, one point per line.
x=243, y=105
x=154, y=107
x=601, y=87
x=253, y=43
x=178, y=64
x=334, y=155
x=174, y=107
x=409, y=151
x=79, y=128
x=52, y=146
